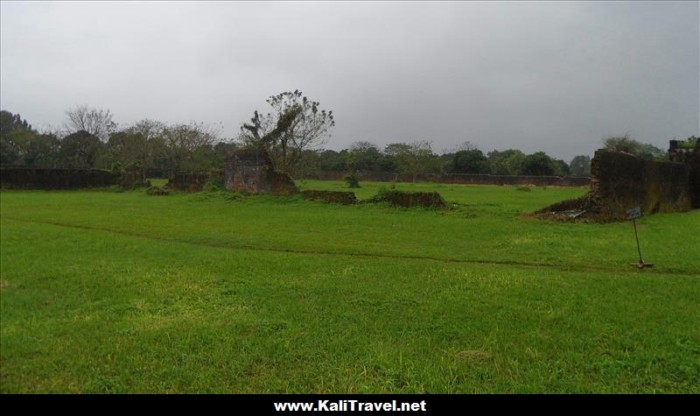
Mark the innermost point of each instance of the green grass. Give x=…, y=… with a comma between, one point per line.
x=214, y=293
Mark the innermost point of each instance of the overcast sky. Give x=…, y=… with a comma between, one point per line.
x=551, y=76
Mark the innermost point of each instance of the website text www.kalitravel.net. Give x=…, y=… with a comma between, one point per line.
x=350, y=406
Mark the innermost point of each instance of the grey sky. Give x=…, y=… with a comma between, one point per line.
x=552, y=76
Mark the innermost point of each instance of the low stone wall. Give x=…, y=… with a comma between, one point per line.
x=191, y=182
x=336, y=197
x=460, y=178
x=133, y=180
x=414, y=199
x=48, y=179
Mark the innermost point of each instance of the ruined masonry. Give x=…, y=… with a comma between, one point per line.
x=252, y=171
x=621, y=181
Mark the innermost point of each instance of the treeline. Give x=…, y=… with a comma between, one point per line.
x=155, y=149
x=151, y=147
x=418, y=159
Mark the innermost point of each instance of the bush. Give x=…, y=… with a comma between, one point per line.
x=411, y=199
x=215, y=183
x=352, y=181
x=158, y=191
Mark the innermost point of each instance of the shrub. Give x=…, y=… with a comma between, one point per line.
x=158, y=191
x=352, y=181
x=345, y=198
x=411, y=199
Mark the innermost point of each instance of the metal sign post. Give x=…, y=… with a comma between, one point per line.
x=633, y=214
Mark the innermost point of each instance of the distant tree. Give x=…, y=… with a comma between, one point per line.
x=309, y=164
x=156, y=159
x=222, y=152
x=40, y=150
x=330, y=160
x=538, y=164
x=97, y=122
x=13, y=129
x=297, y=124
x=9, y=151
x=633, y=147
x=561, y=168
x=363, y=156
x=470, y=161
x=691, y=142
x=415, y=158
x=80, y=150
x=580, y=165
x=188, y=147
x=395, y=149
x=387, y=163
x=130, y=150
x=10, y=122
x=20, y=145
x=507, y=162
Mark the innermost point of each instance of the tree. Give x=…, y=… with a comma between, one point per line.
x=129, y=149
x=561, y=168
x=97, y=122
x=80, y=150
x=188, y=147
x=330, y=160
x=222, y=152
x=156, y=157
x=416, y=158
x=363, y=156
x=308, y=163
x=580, y=165
x=538, y=164
x=39, y=150
x=13, y=130
x=507, y=162
x=10, y=122
x=297, y=124
x=633, y=147
x=20, y=145
x=470, y=161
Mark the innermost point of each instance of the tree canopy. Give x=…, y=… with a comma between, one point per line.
x=296, y=124
x=634, y=147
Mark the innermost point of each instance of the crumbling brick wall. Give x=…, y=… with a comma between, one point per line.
x=691, y=158
x=47, y=179
x=191, y=182
x=621, y=181
x=337, y=197
x=252, y=171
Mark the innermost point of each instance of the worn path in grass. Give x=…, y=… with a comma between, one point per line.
x=587, y=267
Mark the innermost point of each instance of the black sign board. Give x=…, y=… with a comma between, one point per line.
x=632, y=215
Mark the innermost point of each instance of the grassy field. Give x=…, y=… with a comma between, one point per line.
x=217, y=293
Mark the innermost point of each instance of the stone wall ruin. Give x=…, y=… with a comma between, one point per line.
x=620, y=182
x=252, y=171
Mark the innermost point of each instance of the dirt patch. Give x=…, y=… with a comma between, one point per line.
x=474, y=356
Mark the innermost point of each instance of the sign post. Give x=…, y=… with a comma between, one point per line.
x=633, y=214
